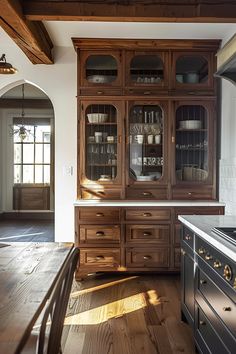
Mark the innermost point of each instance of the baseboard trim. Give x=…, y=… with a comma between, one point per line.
x=27, y=216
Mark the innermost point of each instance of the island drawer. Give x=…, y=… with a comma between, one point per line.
x=149, y=194
x=100, y=258
x=159, y=234
x=99, y=214
x=147, y=257
x=99, y=234
x=148, y=214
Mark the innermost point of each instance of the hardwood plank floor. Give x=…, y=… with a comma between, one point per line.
x=111, y=314
x=26, y=230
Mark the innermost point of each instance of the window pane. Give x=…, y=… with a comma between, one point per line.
x=17, y=174
x=46, y=156
x=28, y=174
x=39, y=174
x=47, y=174
x=28, y=153
x=29, y=134
x=38, y=153
x=40, y=132
x=46, y=137
x=17, y=153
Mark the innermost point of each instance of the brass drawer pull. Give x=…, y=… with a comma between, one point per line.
x=227, y=308
x=147, y=93
x=147, y=214
x=203, y=281
x=188, y=237
x=227, y=272
x=202, y=323
x=183, y=252
x=100, y=92
x=217, y=264
x=201, y=250
x=147, y=258
x=208, y=257
x=146, y=194
x=99, y=214
x=99, y=258
x=100, y=233
x=147, y=233
x=189, y=193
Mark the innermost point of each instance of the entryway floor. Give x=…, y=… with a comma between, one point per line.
x=109, y=314
x=27, y=231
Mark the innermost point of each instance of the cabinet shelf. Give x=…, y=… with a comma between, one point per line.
x=101, y=165
x=191, y=149
x=106, y=123
x=191, y=130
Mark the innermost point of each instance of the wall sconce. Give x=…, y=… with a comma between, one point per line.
x=6, y=68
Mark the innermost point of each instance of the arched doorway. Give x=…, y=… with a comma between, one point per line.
x=27, y=162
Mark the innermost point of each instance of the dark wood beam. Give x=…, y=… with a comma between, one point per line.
x=31, y=37
x=28, y=103
x=132, y=10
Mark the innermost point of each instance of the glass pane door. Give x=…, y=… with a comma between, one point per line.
x=146, y=69
x=191, y=144
x=101, y=143
x=191, y=69
x=101, y=69
x=146, y=143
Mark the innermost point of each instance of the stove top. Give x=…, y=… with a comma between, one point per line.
x=228, y=233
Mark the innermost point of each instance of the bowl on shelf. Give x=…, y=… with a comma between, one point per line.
x=99, y=79
x=190, y=124
x=97, y=117
x=155, y=175
x=145, y=178
x=104, y=178
x=191, y=77
x=194, y=174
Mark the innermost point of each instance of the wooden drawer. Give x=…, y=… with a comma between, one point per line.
x=199, y=211
x=177, y=257
x=147, y=257
x=159, y=234
x=99, y=234
x=190, y=193
x=97, y=194
x=100, y=91
x=188, y=237
x=146, y=91
x=148, y=214
x=100, y=258
x=136, y=193
x=99, y=214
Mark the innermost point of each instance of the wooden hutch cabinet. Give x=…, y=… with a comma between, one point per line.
x=146, y=149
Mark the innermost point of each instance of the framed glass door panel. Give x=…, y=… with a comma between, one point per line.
x=193, y=138
x=146, y=140
x=99, y=69
x=102, y=144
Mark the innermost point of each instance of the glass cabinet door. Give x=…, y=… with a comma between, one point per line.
x=146, y=152
x=99, y=69
x=192, y=141
x=102, y=144
x=145, y=69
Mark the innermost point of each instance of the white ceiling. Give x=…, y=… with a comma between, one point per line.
x=61, y=32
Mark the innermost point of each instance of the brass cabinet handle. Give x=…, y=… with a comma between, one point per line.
x=217, y=264
x=187, y=237
x=100, y=233
x=100, y=92
x=99, y=258
x=201, y=250
x=189, y=193
x=227, y=308
x=99, y=214
x=227, y=272
x=203, y=281
x=183, y=252
x=202, y=323
x=147, y=93
x=208, y=257
x=146, y=194
x=147, y=233
x=147, y=257
x=147, y=214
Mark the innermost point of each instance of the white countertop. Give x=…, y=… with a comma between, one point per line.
x=147, y=203
x=202, y=225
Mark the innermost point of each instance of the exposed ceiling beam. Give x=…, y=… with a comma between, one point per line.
x=219, y=11
x=31, y=37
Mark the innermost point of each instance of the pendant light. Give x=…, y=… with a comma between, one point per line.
x=6, y=68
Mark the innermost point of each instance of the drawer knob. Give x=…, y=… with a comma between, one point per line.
x=189, y=193
x=100, y=233
x=147, y=93
x=202, y=323
x=100, y=92
x=99, y=258
x=147, y=258
x=188, y=237
x=208, y=257
x=227, y=272
x=217, y=264
x=183, y=252
x=99, y=214
x=146, y=233
x=227, y=308
x=147, y=194
x=201, y=250
x=203, y=281
x=147, y=214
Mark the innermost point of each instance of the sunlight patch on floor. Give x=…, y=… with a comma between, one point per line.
x=25, y=235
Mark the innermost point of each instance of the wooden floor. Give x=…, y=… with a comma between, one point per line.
x=126, y=315
x=27, y=230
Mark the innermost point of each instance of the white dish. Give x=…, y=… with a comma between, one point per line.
x=190, y=124
x=97, y=117
x=145, y=178
x=101, y=79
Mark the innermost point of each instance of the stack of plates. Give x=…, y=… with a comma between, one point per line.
x=190, y=124
x=97, y=117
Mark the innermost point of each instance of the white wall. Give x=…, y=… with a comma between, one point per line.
x=228, y=147
x=59, y=83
